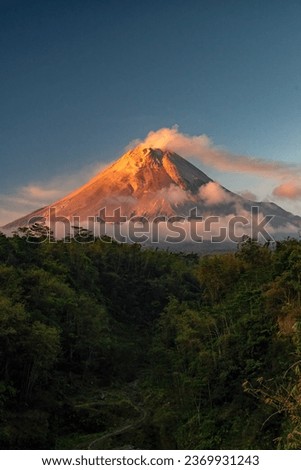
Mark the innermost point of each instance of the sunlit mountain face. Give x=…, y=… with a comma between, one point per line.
x=151, y=182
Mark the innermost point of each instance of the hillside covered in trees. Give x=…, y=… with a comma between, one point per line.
x=106, y=345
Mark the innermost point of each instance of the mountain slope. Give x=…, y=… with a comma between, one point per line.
x=151, y=182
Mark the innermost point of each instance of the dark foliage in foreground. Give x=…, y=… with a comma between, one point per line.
x=212, y=345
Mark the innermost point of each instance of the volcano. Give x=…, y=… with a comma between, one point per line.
x=151, y=182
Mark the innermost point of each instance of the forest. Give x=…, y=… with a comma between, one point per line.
x=114, y=346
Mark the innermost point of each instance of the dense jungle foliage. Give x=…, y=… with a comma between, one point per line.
x=106, y=345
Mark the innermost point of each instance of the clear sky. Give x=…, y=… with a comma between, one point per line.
x=80, y=79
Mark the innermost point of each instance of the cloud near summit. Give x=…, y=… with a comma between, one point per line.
x=202, y=148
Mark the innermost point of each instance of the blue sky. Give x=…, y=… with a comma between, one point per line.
x=80, y=79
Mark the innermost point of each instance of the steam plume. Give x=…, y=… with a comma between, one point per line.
x=202, y=148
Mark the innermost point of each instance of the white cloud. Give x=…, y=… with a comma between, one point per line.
x=288, y=190
x=248, y=195
x=173, y=194
x=213, y=194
